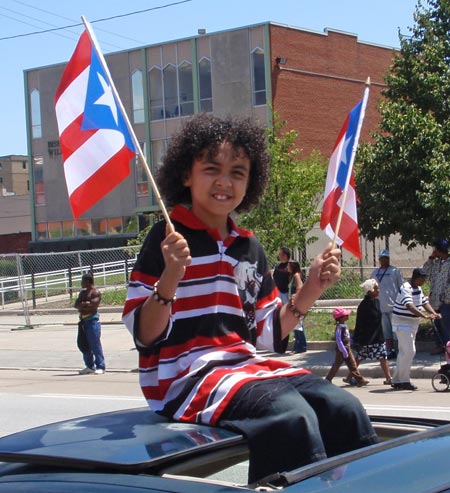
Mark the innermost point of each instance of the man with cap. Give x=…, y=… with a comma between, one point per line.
x=437, y=268
x=390, y=280
x=406, y=315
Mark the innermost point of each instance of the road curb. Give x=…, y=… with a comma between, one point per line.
x=65, y=369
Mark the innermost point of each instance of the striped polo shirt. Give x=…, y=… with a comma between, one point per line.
x=226, y=306
x=407, y=294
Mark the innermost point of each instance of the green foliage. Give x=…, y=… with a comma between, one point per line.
x=319, y=325
x=114, y=297
x=139, y=240
x=403, y=177
x=8, y=267
x=289, y=208
x=347, y=287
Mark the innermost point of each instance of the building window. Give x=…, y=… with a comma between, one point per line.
x=143, y=221
x=114, y=225
x=204, y=76
x=1, y=179
x=130, y=224
x=138, y=97
x=54, y=230
x=170, y=91
x=141, y=176
x=39, y=184
x=158, y=150
x=54, y=148
x=156, y=93
x=35, y=101
x=83, y=227
x=68, y=230
x=259, y=77
x=186, y=106
x=41, y=231
x=99, y=227
x=24, y=165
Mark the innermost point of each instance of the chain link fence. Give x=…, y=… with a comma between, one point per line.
x=44, y=280
x=52, y=280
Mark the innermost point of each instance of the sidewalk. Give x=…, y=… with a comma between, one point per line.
x=49, y=343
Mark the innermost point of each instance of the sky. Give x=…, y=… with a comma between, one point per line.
x=376, y=22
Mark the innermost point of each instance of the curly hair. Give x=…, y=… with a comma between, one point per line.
x=204, y=133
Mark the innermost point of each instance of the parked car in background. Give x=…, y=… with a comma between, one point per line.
x=137, y=450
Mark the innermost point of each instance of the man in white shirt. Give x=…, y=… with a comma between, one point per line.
x=389, y=280
x=410, y=305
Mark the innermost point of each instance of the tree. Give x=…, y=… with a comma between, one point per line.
x=289, y=208
x=403, y=177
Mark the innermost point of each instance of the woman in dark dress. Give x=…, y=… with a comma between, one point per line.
x=368, y=336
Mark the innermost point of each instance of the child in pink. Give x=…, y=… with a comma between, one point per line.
x=343, y=352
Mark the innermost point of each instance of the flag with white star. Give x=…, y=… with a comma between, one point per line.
x=340, y=185
x=95, y=141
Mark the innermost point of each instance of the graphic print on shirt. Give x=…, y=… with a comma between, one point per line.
x=248, y=282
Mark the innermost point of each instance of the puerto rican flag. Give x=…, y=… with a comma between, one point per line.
x=342, y=226
x=95, y=141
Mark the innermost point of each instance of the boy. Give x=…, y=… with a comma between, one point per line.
x=89, y=327
x=201, y=299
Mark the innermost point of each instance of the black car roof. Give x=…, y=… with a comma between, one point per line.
x=125, y=440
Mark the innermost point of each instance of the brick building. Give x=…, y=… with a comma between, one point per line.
x=312, y=79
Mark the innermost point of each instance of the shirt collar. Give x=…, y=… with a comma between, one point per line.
x=183, y=215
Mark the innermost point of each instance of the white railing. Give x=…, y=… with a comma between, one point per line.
x=46, y=284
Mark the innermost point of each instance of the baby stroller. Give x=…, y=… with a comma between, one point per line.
x=441, y=380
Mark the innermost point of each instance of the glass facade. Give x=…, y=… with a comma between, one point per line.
x=205, y=83
x=39, y=183
x=138, y=97
x=36, y=124
x=259, y=77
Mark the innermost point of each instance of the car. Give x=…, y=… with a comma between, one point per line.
x=138, y=450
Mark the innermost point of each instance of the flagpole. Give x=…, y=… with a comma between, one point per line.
x=352, y=158
x=129, y=126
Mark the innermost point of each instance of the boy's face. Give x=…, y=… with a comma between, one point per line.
x=218, y=184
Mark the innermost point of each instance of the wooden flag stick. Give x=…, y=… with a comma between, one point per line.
x=129, y=126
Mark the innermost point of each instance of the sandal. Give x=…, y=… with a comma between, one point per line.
x=388, y=381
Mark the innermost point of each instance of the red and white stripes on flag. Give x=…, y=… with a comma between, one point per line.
x=95, y=140
x=339, y=217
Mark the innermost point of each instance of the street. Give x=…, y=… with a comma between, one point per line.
x=31, y=398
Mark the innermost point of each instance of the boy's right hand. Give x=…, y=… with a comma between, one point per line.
x=176, y=253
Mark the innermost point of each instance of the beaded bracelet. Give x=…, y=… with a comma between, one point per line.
x=294, y=310
x=160, y=299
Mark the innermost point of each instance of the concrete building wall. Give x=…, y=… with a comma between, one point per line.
x=14, y=175
x=232, y=89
